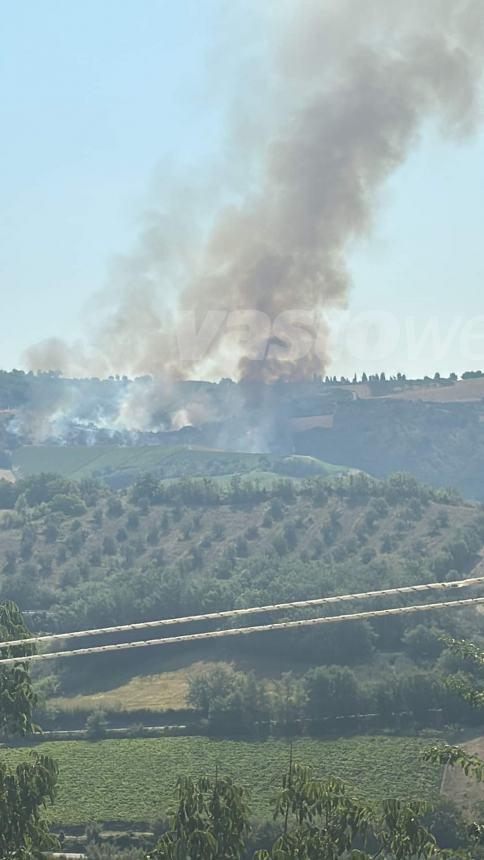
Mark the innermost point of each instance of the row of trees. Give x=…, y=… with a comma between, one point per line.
x=240, y=703
x=318, y=819
x=356, y=487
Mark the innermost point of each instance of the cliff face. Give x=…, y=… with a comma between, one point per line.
x=441, y=444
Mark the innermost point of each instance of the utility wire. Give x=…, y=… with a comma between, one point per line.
x=253, y=610
x=242, y=631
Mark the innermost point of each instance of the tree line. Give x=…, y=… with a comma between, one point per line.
x=239, y=703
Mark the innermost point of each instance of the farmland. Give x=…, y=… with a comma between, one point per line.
x=121, y=465
x=133, y=781
x=80, y=461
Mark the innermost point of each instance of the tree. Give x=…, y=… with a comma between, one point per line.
x=204, y=687
x=147, y=488
x=211, y=822
x=96, y=725
x=455, y=756
x=8, y=495
x=17, y=698
x=234, y=702
x=332, y=692
x=69, y=505
x=422, y=642
x=25, y=790
x=51, y=532
x=109, y=545
x=289, y=699
x=321, y=819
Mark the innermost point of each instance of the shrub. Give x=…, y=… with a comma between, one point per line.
x=70, y=506
x=280, y=545
x=96, y=725
x=114, y=507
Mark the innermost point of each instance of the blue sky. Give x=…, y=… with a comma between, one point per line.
x=97, y=98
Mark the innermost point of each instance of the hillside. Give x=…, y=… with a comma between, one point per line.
x=76, y=554
x=439, y=443
x=65, y=535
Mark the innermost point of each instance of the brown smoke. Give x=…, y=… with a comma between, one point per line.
x=353, y=86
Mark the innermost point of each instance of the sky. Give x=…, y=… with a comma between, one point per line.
x=99, y=102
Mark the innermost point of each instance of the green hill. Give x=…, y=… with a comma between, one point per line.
x=77, y=554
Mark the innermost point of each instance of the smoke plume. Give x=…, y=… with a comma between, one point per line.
x=349, y=87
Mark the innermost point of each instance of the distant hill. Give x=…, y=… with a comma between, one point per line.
x=461, y=391
x=432, y=428
x=439, y=443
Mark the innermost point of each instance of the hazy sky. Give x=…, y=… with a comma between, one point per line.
x=100, y=100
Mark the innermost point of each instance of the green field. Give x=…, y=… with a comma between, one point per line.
x=81, y=461
x=132, y=781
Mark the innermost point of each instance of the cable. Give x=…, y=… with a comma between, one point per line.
x=241, y=631
x=230, y=613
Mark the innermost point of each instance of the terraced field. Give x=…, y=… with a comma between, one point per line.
x=133, y=781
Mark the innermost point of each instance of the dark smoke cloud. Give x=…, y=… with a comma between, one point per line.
x=351, y=87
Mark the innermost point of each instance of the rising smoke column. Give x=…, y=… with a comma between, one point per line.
x=353, y=84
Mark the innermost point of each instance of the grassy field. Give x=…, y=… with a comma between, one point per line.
x=156, y=692
x=78, y=461
x=133, y=780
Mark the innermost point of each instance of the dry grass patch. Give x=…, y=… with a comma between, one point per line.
x=160, y=692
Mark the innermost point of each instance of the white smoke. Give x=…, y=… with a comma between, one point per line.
x=349, y=87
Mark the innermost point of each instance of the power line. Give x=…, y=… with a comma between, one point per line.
x=253, y=610
x=241, y=631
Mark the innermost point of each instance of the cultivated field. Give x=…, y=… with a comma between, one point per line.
x=465, y=390
x=116, y=463
x=133, y=781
